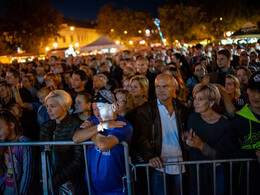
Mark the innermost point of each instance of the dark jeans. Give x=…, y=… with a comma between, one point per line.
x=172, y=184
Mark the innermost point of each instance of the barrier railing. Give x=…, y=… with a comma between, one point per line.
x=46, y=165
x=197, y=163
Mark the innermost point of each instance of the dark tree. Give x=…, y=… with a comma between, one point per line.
x=29, y=24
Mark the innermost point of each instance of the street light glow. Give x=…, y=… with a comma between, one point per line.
x=47, y=48
x=76, y=44
x=139, y=31
x=147, y=31
x=125, y=32
x=112, y=30
x=55, y=45
x=117, y=42
x=131, y=42
x=220, y=18
x=72, y=28
x=142, y=42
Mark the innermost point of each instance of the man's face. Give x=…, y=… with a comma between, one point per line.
x=52, y=61
x=244, y=59
x=252, y=57
x=199, y=52
x=103, y=111
x=222, y=61
x=141, y=67
x=254, y=98
x=164, y=88
x=39, y=70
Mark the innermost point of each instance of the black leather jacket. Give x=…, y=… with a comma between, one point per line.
x=149, y=128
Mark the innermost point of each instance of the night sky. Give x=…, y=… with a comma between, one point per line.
x=88, y=9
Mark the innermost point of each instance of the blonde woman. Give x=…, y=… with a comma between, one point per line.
x=66, y=161
x=139, y=88
x=207, y=138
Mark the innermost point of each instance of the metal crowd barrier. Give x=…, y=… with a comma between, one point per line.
x=46, y=165
x=197, y=163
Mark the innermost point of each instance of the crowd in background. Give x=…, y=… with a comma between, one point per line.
x=49, y=100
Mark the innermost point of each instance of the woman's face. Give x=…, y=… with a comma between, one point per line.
x=242, y=77
x=229, y=86
x=3, y=92
x=55, y=110
x=49, y=82
x=200, y=71
x=80, y=104
x=136, y=89
x=201, y=102
x=60, y=69
x=121, y=102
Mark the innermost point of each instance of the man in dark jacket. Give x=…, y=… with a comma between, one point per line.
x=159, y=125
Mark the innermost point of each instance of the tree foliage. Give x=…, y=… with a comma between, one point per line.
x=29, y=24
x=178, y=20
x=113, y=22
x=205, y=18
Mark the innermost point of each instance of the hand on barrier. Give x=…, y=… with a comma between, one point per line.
x=156, y=163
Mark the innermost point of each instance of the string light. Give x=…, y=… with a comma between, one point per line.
x=157, y=23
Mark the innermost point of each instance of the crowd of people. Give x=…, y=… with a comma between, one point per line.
x=169, y=105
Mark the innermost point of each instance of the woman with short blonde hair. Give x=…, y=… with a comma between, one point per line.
x=62, y=97
x=67, y=168
x=207, y=138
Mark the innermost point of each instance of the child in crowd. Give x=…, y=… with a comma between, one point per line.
x=20, y=157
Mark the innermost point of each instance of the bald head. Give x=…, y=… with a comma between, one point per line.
x=165, y=87
x=167, y=76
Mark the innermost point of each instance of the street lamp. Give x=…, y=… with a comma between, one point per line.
x=76, y=44
x=117, y=42
x=47, y=48
x=72, y=28
x=125, y=32
x=131, y=42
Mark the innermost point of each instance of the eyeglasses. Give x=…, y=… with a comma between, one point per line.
x=120, y=100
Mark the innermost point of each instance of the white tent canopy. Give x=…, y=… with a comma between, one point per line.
x=101, y=43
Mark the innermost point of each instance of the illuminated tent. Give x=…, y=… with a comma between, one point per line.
x=248, y=30
x=101, y=43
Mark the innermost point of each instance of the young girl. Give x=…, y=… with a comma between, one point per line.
x=10, y=131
